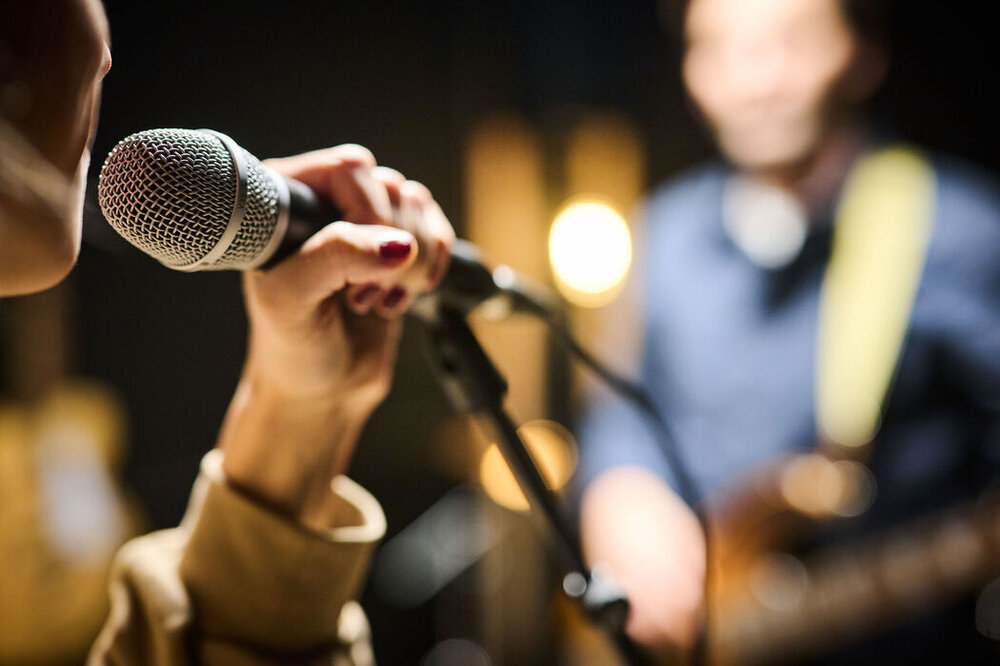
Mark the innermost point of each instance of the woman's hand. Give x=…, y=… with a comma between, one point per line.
x=324, y=326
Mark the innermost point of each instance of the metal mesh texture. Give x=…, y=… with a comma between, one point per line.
x=171, y=192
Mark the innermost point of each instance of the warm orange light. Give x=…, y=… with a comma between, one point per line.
x=590, y=249
x=554, y=451
x=814, y=485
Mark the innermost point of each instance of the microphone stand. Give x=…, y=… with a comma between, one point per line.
x=473, y=384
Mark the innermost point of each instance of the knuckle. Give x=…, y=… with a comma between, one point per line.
x=333, y=232
x=354, y=155
x=336, y=239
x=416, y=191
x=439, y=227
x=446, y=233
x=389, y=175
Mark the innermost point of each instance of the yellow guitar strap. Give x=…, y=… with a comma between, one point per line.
x=881, y=232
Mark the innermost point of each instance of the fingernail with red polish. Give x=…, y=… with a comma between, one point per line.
x=365, y=295
x=395, y=251
x=393, y=298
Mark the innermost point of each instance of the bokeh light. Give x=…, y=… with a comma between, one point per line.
x=590, y=250
x=552, y=448
x=817, y=486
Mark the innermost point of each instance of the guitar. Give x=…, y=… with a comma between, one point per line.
x=63, y=508
x=767, y=605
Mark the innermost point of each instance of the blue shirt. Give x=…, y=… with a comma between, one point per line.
x=730, y=348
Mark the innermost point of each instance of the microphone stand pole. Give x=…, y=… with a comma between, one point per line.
x=474, y=385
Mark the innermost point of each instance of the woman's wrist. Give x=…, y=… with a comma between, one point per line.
x=284, y=451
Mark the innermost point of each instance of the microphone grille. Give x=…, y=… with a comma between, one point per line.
x=171, y=193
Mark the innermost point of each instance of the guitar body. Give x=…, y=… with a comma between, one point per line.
x=63, y=515
x=771, y=604
x=64, y=511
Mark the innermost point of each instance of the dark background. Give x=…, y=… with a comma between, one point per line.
x=409, y=80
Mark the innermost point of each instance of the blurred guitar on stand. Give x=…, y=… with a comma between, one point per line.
x=63, y=510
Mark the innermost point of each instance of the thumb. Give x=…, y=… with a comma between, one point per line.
x=342, y=253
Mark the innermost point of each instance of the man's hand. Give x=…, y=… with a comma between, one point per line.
x=324, y=328
x=636, y=528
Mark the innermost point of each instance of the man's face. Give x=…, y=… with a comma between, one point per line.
x=769, y=76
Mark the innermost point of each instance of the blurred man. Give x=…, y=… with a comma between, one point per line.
x=736, y=261
x=275, y=541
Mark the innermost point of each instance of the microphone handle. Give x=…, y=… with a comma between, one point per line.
x=307, y=214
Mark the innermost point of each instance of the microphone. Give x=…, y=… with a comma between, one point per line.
x=195, y=200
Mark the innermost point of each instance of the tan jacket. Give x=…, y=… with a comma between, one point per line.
x=237, y=584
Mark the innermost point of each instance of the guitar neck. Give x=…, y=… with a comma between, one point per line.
x=37, y=350
x=844, y=592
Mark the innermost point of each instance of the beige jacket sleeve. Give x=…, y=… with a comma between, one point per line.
x=237, y=584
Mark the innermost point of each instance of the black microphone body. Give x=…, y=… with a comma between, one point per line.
x=194, y=200
x=307, y=214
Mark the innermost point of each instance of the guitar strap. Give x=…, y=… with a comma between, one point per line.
x=881, y=232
